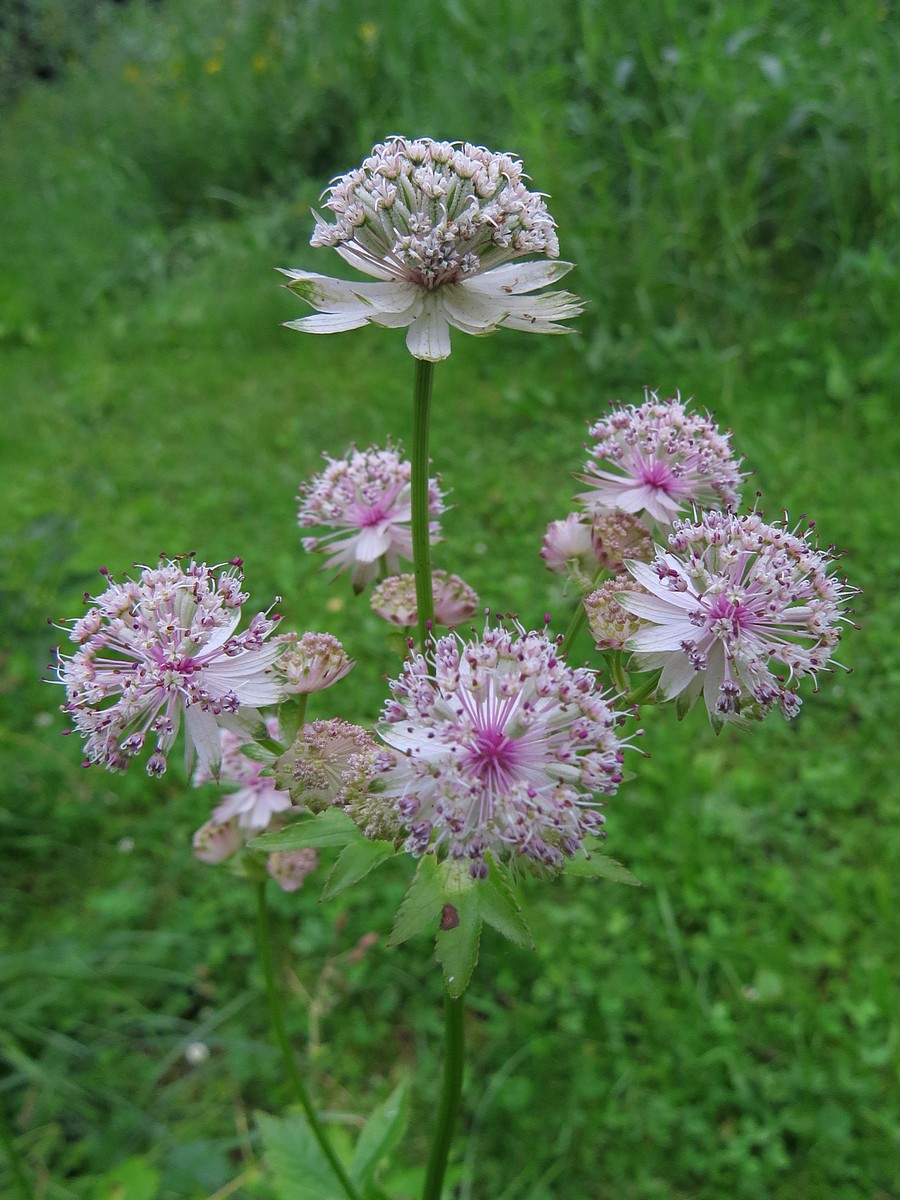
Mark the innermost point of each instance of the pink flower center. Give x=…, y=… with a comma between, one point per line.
x=493, y=757
x=371, y=515
x=656, y=474
x=727, y=612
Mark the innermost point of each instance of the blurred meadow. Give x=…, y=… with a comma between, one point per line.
x=726, y=177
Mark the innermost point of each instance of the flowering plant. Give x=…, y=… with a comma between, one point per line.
x=493, y=754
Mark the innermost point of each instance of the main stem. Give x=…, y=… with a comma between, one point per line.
x=421, y=518
x=273, y=995
x=454, y=1054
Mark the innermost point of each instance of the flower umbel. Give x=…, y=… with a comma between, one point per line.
x=162, y=646
x=732, y=599
x=437, y=224
x=662, y=459
x=395, y=600
x=312, y=662
x=499, y=747
x=365, y=498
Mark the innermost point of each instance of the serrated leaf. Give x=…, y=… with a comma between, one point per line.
x=601, y=866
x=421, y=907
x=501, y=909
x=330, y=828
x=265, y=751
x=354, y=862
x=459, y=934
x=380, y=1134
x=299, y=1168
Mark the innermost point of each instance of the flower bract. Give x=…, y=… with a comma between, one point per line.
x=437, y=225
x=255, y=797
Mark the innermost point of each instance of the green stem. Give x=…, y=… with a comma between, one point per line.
x=12, y=1155
x=421, y=519
x=454, y=1054
x=290, y=1064
x=580, y=613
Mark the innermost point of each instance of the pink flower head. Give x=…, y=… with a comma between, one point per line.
x=732, y=599
x=567, y=544
x=330, y=763
x=395, y=600
x=609, y=623
x=657, y=459
x=312, y=662
x=214, y=842
x=437, y=225
x=498, y=748
x=289, y=868
x=365, y=500
x=163, y=646
x=256, y=797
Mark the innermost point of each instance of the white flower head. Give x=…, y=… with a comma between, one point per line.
x=312, y=662
x=163, y=647
x=497, y=747
x=438, y=225
x=657, y=460
x=736, y=609
x=365, y=500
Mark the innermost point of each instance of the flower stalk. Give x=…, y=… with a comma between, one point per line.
x=276, y=1017
x=420, y=515
x=454, y=1055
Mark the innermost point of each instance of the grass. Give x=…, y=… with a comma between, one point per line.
x=725, y=178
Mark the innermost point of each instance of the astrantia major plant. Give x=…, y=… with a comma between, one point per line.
x=494, y=753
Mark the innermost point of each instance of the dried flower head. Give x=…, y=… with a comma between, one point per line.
x=395, y=600
x=365, y=498
x=609, y=623
x=499, y=747
x=255, y=798
x=657, y=459
x=436, y=223
x=616, y=536
x=164, y=645
x=312, y=662
x=732, y=599
x=329, y=764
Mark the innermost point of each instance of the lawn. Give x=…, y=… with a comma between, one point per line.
x=725, y=177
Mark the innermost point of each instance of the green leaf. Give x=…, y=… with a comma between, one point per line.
x=354, y=862
x=421, y=907
x=299, y=1168
x=459, y=934
x=380, y=1134
x=131, y=1179
x=265, y=750
x=501, y=909
x=330, y=828
x=593, y=865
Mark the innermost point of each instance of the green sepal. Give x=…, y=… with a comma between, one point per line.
x=291, y=716
x=379, y=1136
x=501, y=909
x=459, y=930
x=354, y=862
x=331, y=828
x=299, y=1169
x=589, y=863
x=421, y=907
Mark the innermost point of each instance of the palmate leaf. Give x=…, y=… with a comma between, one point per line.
x=501, y=909
x=354, y=862
x=330, y=828
x=421, y=907
x=590, y=863
x=380, y=1134
x=300, y=1170
x=459, y=933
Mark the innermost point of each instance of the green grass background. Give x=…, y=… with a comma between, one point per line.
x=726, y=177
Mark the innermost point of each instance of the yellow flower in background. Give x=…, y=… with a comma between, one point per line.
x=131, y=73
x=213, y=66
x=260, y=63
x=368, y=31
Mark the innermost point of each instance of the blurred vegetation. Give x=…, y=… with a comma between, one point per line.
x=726, y=178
